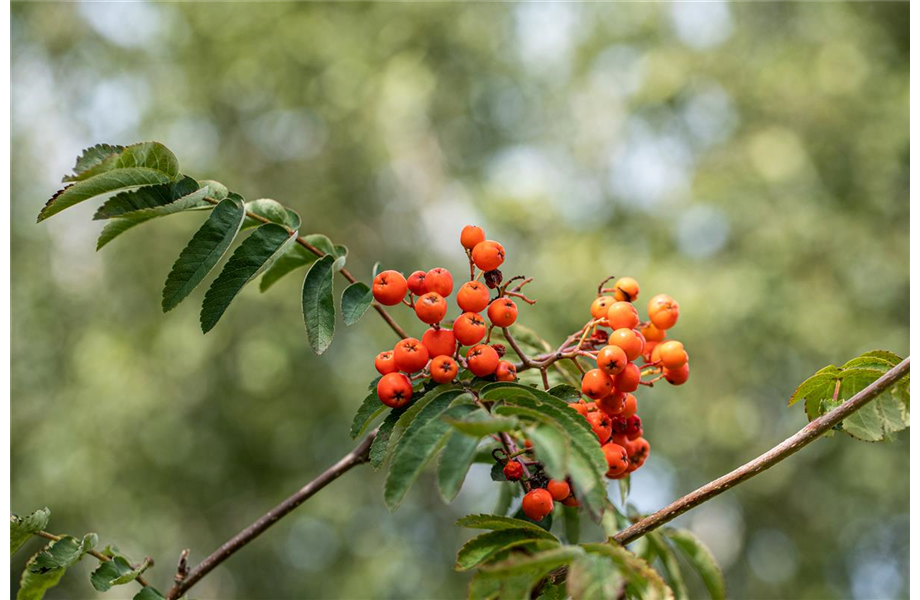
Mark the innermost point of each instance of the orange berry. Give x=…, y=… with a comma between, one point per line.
x=622, y=315
x=488, y=255
x=613, y=404
x=505, y=371
x=385, y=363
x=630, y=407
x=678, y=376
x=649, y=351
x=439, y=342
x=473, y=296
x=617, y=459
x=439, y=280
x=394, y=390
x=580, y=407
x=410, y=355
x=571, y=501
x=652, y=333
x=537, y=504
x=628, y=379
x=637, y=454
x=629, y=341
x=390, y=288
x=601, y=425
x=612, y=359
x=513, y=470
x=416, y=283
x=596, y=384
x=626, y=289
x=672, y=353
x=503, y=312
x=559, y=490
x=443, y=369
x=430, y=307
x=469, y=328
x=663, y=311
x=482, y=360
x=471, y=235
x=600, y=306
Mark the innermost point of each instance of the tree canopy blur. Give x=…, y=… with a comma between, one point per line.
x=751, y=159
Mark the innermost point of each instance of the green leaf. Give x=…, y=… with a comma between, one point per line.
x=149, y=593
x=642, y=580
x=318, y=305
x=700, y=558
x=94, y=160
x=565, y=392
x=249, y=260
x=216, y=190
x=410, y=412
x=22, y=528
x=591, y=577
x=367, y=412
x=544, y=561
x=295, y=257
x=341, y=255
x=117, y=571
x=505, y=495
x=356, y=299
x=480, y=423
x=552, y=449
x=571, y=524
x=63, y=553
x=552, y=591
x=423, y=438
x=321, y=243
x=496, y=523
x=32, y=586
x=267, y=209
x=455, y=461
x=380, y=445
x=669, y=565
x=875, y=359
x=203, y=251
x=155, y=200
x=485, y=546
x=820, y=385
x=142, y=164
x=624, y=485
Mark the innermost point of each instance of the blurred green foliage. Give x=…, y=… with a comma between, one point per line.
x=749, y=159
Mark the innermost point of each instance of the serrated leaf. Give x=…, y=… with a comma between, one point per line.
x=295, y=257
x=356, y=299
x=505, y=496
x=552, y=449
x=117, y=571
x=485, y=546
x=815, y=386
x=657, y=547
x=454, y=463
x=266, y=208
x=552, y=591
x=32, y=586
x=380, y=446
x=94, y=160
x=22, y=528
x=642, y=580
x=203, y=251
x=880, y=359
x=367, y=412
x=321, y=243
x=496, y=523
x=155, y=200
x=62, y=553
x=543, y=562
x=480, y=423
x=446, y=393
x=565, y=392
x=318, y=304
x=592, y=577
x=249, y=260
x=571, y=523
x=423, y=438
x=148, y=593
x=115, y=228
x=700, y=558
x=103, y=183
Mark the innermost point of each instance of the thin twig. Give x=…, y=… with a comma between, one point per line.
x=356, y=457
x=784, y=450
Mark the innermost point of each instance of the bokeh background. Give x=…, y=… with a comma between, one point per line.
x=749, y=159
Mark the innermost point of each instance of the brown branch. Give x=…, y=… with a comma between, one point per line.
x=784, y=450
x=354, y=458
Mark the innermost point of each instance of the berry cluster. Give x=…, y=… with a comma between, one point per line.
x=437, y=355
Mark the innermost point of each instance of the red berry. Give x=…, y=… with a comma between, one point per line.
x=629, y=340
x=600, y=423
x=596, y=384
x=416, y=283
x=390, y=288
x=439, y=280
x=638, y=452
x=612, y=359
x=503, y=312
x=505, y=371
x=633, y=427
x=559, y=490
x=473, y=296
x=410, y=355
x=385, y=363
x=443, y=369
x=678, y=376
x=617, y=459
x=394, y=390
x=439, y=342
x=488, y=255
x=471, y=235
x=630, y=408
x=622, y=315
x=482, y=360
x=513, y=470
x=537, y=504
x=612, y=404
x=430, y=307
x=663, y=311
x=628, y=379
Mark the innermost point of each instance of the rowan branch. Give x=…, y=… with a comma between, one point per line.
x=184, y=581
x=94, y=553
x=782, y=451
